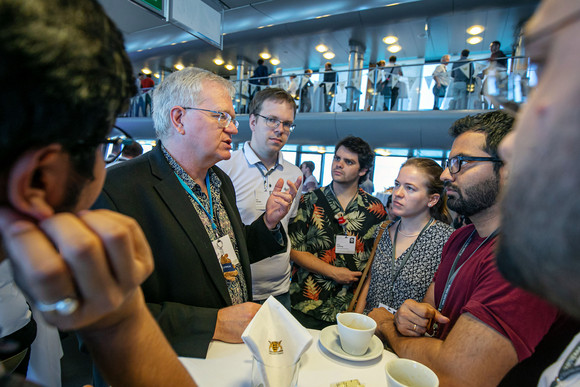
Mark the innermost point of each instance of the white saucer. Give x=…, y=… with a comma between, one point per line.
x=330, y=340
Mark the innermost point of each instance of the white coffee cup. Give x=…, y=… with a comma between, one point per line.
x=355, y=331
x=409, y=373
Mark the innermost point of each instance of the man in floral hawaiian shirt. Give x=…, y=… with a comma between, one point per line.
x=332, y=236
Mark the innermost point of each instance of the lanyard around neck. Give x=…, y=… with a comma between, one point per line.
x=407, y=254
x=569, y=367
x=453, y=272
x=190, y=192
x=268, y=171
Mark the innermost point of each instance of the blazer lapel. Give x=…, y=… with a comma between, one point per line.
x=177, y=200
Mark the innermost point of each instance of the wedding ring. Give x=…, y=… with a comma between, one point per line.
x=64, y=307
x=414, y=327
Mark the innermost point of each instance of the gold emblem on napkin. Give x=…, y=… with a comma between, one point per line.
x=275, y=347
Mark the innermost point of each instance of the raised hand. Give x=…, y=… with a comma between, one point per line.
x=279, y=202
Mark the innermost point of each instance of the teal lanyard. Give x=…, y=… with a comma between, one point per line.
x=453, y=272
x=190, y=192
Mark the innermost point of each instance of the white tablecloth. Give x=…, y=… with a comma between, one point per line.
x=231, y=365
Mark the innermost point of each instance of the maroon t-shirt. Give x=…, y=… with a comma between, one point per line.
x=480, y=289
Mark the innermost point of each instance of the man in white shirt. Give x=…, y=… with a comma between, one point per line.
x=441, y=78
x=254, y=170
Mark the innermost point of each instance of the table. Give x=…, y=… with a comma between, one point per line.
x=231, y=365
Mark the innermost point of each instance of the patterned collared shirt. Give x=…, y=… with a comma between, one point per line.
x=314, y=231
x=237, y=288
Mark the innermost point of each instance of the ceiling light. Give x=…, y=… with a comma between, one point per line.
x=392, y=5
x=394, y=48
x=475, y=30
x=321, y=48
x=179, y=66
x=218, y=61
x=274, y=61
x=390, y=39
x=328, y=55
x=229, y=67
x=426, y=26
x=320, y=17
x=265, y=55
x=156, y=75
x=382, y=152
x=146, y=71
x=474, y=40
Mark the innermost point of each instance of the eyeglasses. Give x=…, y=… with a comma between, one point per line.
x=274, y=123
x=224, y=119
x=112, y=147
x=454, y=164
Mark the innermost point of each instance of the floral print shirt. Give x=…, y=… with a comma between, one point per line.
x=314, y=231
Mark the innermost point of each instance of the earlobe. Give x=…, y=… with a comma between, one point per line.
x=433, y=200
x=176, y=116
x=32, y=181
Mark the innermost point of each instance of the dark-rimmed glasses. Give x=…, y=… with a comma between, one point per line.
x=454, y=164
x=224, y=119
x=112, y=147
x=274, y=123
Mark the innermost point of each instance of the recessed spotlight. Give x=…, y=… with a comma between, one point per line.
x=382, y=152
x=394, y=48
x=229, y=67
x=146, y=71
x=274, y=61
x=474, y=40
x=328, y=55
x=264, y=55
x=321, y=48
x=390, y=39
x=218, y=61
x=156, y=75
x=179, y=66
x=475, y=30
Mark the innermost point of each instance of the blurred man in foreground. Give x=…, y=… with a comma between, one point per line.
x=541, y=248
x=65, y=77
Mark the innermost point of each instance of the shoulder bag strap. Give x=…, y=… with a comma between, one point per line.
x=363, y=277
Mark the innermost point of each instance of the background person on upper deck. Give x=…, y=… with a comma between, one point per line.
x=254, y=171
x=328, y=265
x=187, y=209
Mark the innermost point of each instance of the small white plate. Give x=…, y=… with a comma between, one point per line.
x=331, y=341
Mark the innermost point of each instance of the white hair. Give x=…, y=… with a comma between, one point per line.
x=182, y=88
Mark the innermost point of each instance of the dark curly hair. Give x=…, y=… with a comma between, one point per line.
x=362, y=149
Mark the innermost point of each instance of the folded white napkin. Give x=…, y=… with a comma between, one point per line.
x=276, y=338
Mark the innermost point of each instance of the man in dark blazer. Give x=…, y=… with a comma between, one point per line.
x=186, y=206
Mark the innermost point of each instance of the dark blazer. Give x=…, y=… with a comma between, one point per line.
x=187, y=286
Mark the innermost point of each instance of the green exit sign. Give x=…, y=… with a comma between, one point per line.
x=156, y=4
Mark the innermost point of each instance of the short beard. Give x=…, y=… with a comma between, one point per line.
x=480, y=197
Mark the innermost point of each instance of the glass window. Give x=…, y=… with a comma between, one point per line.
x=316, y=158
x=289, y=156
x=386, y=171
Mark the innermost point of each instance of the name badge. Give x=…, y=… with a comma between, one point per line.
x=261, y=199
x=345, y=244
x=227, y=257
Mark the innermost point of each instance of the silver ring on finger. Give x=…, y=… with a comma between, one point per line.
x=414, y=327
x=64, y=307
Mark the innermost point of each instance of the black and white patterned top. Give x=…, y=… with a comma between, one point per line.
x=415, y=277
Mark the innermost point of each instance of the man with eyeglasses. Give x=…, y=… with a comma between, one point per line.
x=540, y=248
x=65, y=78
x=254, y=170
x=201, y=288
x=472, y=326
x=332, y=237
